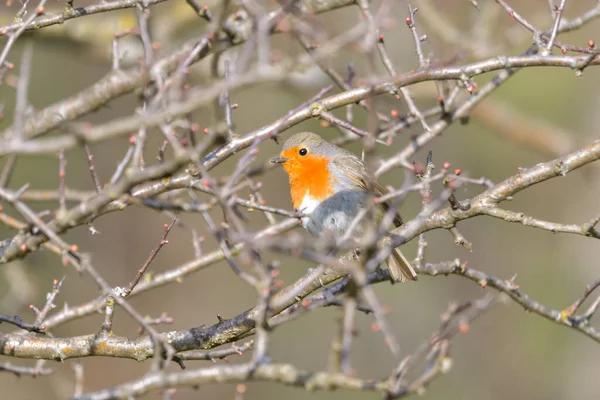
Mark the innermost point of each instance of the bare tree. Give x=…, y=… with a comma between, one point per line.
x=389, y=76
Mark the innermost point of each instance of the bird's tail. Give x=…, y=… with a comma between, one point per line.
x=400, y=268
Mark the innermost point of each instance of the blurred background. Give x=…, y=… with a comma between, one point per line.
x=537, y=115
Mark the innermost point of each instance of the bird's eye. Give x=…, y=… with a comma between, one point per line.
x=303, y=152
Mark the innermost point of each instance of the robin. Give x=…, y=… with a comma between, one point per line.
x=329, y=185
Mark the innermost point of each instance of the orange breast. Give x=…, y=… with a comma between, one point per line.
x=308, y=174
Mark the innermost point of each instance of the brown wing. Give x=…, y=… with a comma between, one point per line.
x=355, y=169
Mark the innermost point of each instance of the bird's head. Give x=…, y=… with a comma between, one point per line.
x=304, y=152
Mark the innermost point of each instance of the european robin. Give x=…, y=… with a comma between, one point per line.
x=329, y=185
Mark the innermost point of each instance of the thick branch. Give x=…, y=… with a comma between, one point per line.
x=286, y=374
x=203, y=96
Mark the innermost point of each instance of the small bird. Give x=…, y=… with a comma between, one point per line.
x=329, y=185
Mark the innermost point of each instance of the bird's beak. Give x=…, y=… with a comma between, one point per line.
x=278, y=160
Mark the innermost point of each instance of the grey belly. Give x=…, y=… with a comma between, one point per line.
x=334, y=215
